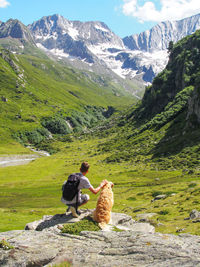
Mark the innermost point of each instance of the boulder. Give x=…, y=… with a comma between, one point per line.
x=144, y=217
x=122, y=221
x=194, y=214
x=159, y=197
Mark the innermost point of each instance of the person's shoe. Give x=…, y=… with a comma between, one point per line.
x=68, y=209
x=73, y=211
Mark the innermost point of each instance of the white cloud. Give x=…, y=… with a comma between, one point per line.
x=4, y=3
x=169, y=9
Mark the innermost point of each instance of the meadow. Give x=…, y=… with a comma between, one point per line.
x=30, y=191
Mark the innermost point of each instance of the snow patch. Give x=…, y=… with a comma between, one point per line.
x=48, y=36
x=73, y=33
x=101, y=28
x=59, y=52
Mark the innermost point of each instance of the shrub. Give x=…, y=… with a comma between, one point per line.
x=163, y=212
x=156, y=193
x=192, y=185
x=56, y=125
x=5, y=245
x=34, y=137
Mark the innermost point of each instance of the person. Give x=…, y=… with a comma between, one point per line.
x=82, y=198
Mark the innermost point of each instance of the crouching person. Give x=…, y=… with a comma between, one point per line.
x=71, y=190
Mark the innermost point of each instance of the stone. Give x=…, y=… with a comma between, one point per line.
x=145, y=216
x=134, y=247
x=4, y=99
x=159, y=197
x=122, y=221
x=109, y=249
x=194, y=214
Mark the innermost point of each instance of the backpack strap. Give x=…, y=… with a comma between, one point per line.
x=76, y=207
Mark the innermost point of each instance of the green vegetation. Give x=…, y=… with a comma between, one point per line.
x=87, y=224
x=5, y=245
x=63, y=264
x=30, y=191
x=37, y=91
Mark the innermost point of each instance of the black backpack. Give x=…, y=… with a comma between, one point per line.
x=70, y=188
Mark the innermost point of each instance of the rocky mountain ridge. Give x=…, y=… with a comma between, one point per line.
x=159, y=36
x=94, y=47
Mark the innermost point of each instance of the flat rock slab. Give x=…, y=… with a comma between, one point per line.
x=122, y=221
x=108, y=249
x=139, y=245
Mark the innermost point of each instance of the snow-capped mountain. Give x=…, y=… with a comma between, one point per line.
x=94, y=47
x=139, y=56
x=73, y=38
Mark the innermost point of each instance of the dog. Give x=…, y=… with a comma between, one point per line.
x=102, y=213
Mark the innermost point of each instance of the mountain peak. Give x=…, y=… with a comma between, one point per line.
x=15, y=29
x=159, y=36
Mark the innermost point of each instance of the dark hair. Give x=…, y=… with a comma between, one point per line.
x=84, y=167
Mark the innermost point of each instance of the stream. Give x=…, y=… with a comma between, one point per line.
x=14, y=160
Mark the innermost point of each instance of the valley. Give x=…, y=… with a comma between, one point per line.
x=147, y=145
x=30, y=191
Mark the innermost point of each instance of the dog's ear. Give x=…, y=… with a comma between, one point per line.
x=111, y=184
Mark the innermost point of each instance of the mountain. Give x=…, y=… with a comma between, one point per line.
x=136, y=58
x=15, y=29
x=162, y=130
x=84, y=45
x=159, y=36
x=153, y=44
x=95, y=46
x=131, y=62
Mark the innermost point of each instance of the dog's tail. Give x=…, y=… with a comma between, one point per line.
x=102, y=225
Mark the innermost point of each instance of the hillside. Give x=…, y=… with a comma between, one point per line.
x=162, y=131
x=37, y=92
x=150, y=151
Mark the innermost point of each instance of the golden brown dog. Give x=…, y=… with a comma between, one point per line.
x=102, y=213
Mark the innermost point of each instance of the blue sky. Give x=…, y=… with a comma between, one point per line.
x=123, y=17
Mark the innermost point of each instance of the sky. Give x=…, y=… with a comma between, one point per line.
x=123, y=17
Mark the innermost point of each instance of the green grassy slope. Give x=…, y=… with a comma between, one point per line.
x=28, y=192
x=33, y=87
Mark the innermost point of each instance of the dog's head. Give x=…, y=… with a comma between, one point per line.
x=108, y=185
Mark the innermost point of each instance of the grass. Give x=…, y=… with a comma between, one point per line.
x=5, y=245
x=87, y=224
x=30, y=191
x=39, y=87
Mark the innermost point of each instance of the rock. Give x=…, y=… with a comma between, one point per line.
x=52, y=223
x=108, y=249
x=145, y=216
x=194, y=214
x=159, y=197
x=138, y=246
x=4, y=99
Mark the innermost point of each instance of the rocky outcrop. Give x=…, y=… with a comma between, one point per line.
x=103, y=248
x=193, y=113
